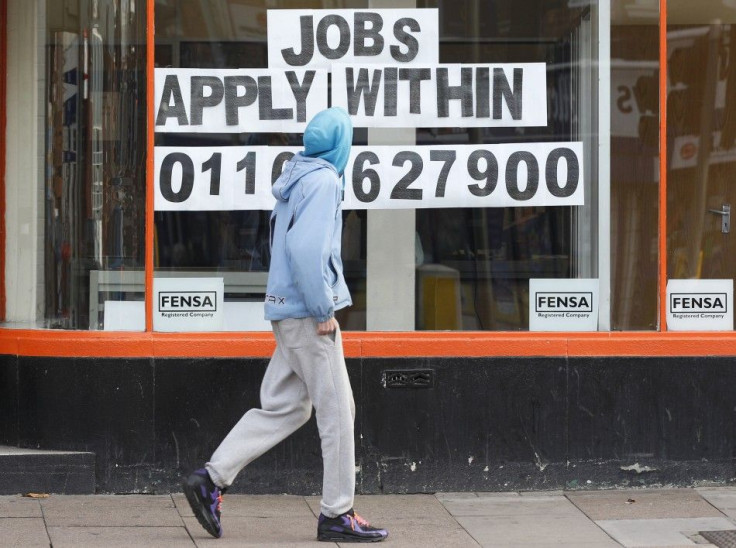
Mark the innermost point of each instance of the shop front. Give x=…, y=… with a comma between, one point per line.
x=537, y=235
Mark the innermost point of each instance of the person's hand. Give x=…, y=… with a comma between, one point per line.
x=325, y=328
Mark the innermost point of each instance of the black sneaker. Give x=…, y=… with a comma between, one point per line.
x=348, y=527
x=205, y=498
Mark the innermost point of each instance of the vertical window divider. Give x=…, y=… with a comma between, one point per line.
x=150, y=135
x=662, y=262
x=3, y=129
x=603, y=156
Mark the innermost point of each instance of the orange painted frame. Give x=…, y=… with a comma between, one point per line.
x=150, y=135
x=662, y=262
x=371, y=344
x=367, y=345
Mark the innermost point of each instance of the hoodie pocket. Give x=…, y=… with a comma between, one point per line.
x=332, y=275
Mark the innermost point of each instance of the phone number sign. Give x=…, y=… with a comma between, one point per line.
x=378, y=177
x=383, y=67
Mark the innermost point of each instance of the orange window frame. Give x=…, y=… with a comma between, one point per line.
x=359, y=344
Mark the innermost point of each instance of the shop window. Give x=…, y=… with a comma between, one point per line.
x=634, y=169
x=701, y=165
x=702, y=141
x=76, y=170
x=490, y=254
x=467, y=266
x=459, y=268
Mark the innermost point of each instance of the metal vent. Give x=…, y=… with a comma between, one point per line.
x=408, y=378
x=722, y=539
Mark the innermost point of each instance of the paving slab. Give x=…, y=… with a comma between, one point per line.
x=110, y=511
x=377, y=509
x=452, y=520
x=119, y=537
x=259, y=506
x=253, y=531
x=641, y=504
x=411, y=520
x=26, y=532
x=414, y=532
x=661, y=532
x=535, y=530
x=723, y=498
x=19, y=507
x=510, y=505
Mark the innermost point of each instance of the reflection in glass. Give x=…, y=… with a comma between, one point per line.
x=476, y=263
x=634, y=173
x=235, y=244
x=95, y=156
x=701, y=140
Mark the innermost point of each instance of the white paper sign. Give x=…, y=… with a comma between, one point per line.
x=563, y=305
x=237, y=100
x=378, y=177
x=700, y=305
x=188, y=304
x=217, y=178
x=124, y=316
x=318, y=38
x=499, y=95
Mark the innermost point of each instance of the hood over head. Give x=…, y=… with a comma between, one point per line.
x=329, y=136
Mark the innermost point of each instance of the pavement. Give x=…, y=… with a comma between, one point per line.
x=584, y=519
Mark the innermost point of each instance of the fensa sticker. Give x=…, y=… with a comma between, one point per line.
x=563, y=305
x=700, y=305
x=188, y=304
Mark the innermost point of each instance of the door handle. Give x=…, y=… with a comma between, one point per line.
x=725, y=214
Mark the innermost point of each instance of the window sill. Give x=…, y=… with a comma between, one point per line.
x=368, y=345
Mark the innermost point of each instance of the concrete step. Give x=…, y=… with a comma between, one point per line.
x=38, y=471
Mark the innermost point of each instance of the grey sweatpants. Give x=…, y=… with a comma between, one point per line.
x=306, y=370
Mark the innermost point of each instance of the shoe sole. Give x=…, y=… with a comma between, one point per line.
x=197, y=504
x=342, y=537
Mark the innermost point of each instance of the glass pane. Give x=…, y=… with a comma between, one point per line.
x=94, y=215
x=634, y=166
x=476, y=263
x=701, y=38
x=234, y=245
x=461, y=268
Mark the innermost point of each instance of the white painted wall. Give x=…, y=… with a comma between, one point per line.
x=24, y=172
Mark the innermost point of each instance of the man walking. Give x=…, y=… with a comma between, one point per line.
x=305, y=288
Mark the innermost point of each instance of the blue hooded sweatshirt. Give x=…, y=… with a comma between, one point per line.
x=305, y=278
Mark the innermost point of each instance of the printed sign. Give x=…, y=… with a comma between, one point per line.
x=700, y=305
x=378, y=177
x=188, y=304
x=500, y=95
x=237, y=100
x=385, y=73
x=318, y=38
x=563, y=305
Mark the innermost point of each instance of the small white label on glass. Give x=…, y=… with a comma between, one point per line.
x=188, y=304
x=700, y=305
x=563, y=305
